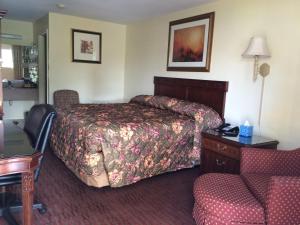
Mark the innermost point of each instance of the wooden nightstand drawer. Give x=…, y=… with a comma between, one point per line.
x=221, y=148
x=217, y=163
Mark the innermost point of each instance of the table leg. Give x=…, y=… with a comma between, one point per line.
x=27, y=197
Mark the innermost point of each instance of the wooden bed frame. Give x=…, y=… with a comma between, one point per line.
x=210, y=93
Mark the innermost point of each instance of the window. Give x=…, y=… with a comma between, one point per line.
x=7, y=56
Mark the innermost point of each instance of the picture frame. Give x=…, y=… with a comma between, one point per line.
x=190, y=43
x=86, y=46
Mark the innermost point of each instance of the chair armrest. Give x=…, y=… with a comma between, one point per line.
x=283, y=200
x=270, y=161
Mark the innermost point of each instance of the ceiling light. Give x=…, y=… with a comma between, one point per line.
x=60, y=5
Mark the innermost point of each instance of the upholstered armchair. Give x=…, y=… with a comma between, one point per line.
x=65, y=98
x=274, y=178
x=266, y=192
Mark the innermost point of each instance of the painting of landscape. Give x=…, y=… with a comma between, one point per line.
x=189, y=44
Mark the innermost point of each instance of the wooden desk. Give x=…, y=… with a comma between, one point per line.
x=17, y=156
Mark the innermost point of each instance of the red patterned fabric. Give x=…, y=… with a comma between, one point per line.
x=205, y=218
x=208, y=219
x=283, y=201
x=258, y=185
x=268, y=161
x=273, y=178
x=279, y=195
x=224, y=198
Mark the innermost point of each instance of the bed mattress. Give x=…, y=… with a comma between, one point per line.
x=120, y=144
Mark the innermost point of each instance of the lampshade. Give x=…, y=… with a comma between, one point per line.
x=257, y=47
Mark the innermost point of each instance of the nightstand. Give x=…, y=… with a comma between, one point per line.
x=222, y=154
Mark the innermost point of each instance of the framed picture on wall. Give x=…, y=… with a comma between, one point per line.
x=190, y=43
x=86, y=46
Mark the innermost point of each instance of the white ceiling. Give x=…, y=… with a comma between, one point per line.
x=119, y=11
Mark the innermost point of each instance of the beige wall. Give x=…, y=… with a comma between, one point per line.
x=40, y=26
x=236, y=22
x=94, y=82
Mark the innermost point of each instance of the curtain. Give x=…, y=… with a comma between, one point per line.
x=17, y=58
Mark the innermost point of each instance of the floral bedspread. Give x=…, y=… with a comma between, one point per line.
x=149, y=135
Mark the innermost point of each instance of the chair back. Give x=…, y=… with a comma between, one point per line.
x=38, y=125
x=65, y=98
x=36, y=122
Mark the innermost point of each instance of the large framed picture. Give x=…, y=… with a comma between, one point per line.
x=190, y=43
x=86, y=46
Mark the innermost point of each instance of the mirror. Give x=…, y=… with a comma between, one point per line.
x=19, y=65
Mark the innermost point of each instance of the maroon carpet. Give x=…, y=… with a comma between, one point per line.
x=162, y=200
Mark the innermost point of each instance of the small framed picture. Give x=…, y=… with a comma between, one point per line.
x=190, y=43
x=86, y=46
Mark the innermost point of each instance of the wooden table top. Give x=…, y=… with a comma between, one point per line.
x=14, y=142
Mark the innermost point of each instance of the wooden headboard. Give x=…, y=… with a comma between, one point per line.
x=210, y=93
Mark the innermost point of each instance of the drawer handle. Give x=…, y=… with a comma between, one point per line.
x=221, y=147
x=220, y=162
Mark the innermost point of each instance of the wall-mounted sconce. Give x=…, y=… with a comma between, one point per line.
x=258, y=48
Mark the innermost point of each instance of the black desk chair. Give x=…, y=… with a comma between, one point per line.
x=37, y=126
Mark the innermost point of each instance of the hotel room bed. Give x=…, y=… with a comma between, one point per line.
x=120, y=144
